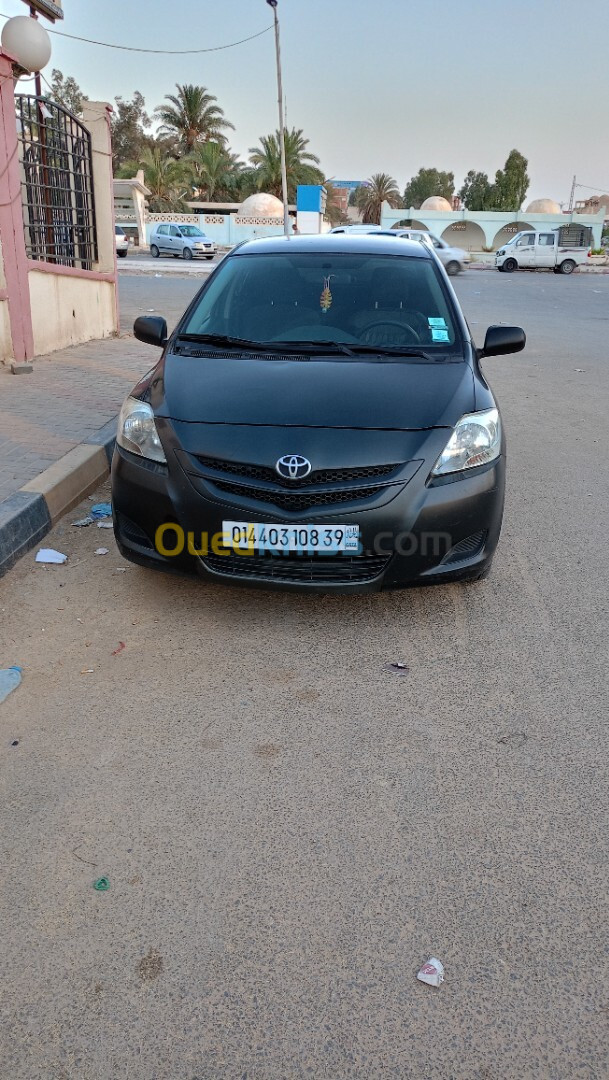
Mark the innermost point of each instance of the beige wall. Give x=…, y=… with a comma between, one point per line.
x=82, y=309
x=6, y=342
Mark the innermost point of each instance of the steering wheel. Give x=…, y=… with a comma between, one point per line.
x=407, y=335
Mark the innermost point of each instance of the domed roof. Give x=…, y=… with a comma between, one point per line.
x=261, y=205
x=543, y=206
x=436, y=202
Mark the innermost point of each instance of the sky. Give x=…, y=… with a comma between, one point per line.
x=376, y=85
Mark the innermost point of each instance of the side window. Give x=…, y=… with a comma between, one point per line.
x=526, y=240
x=163, y=230
x=546, y=239
x=436, y=243
x=174, y=232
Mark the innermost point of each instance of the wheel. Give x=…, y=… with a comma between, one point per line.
x=453, y=268
x=154, y=251
x=122, y=254
x=567, y=267
x=208, y=257
x=176, y=256
x=187, y=253
x=500, y=269
x=509, y=266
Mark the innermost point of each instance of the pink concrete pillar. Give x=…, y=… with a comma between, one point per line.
x=11, y=219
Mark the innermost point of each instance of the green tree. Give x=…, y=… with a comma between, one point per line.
x=192, y=116
x=477, y=192
x=426, y=183
x=301, y=164
x=129, y=123
x=169, y=180
x=215, y=171
x=511, y=183
x=380, y=188
x=66, y=91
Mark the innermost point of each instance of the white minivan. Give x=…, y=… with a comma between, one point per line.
x=560, y=250
x=453, y=259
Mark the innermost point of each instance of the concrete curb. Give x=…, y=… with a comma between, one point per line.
x=28, y=515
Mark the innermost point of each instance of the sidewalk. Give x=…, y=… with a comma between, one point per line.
x=56, y=433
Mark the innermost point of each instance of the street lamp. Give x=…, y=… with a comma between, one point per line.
x=28, y=42
x=284, y=174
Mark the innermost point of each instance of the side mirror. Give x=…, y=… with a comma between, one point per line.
x=500, y=340
x=151, y=329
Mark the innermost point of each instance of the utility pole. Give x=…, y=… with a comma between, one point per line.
x=572, y=195
x=284, y=175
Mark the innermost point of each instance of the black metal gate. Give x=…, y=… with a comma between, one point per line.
x=56, y=184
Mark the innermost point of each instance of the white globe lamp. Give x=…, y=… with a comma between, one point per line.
x=28, y=42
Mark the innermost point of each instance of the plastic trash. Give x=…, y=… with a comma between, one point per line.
x=432, y=972
x=101, y=510
x=102, y=884
x=105, y=525
x=120, y=647
x=9, y=681
x=101, y=551
x=82, y=524
x=48, y=555
x=397, y=668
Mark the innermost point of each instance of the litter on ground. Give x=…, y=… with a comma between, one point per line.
x=432, y=972
x=101, y=551
x=9, y=681
x=48, y=555
x=101, y=510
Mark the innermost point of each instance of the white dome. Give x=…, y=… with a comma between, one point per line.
x=261, y=205
x=436, y=202
x=543, y=206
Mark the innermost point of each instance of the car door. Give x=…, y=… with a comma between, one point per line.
x=545, y=253
x=161, y=237
x=524, y=250
x=176, y=243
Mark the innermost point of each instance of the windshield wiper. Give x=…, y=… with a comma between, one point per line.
x=223, y=339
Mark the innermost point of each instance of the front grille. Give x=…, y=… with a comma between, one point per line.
x=466, y=549
x=294, y=500
x=338, y=570
x=321, y=476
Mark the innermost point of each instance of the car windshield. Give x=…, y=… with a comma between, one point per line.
x=384, y=301
x=190, y=230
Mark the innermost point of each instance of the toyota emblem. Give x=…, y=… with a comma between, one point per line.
x=293, y=467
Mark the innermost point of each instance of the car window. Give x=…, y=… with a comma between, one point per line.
x=190, y=230
x=173, y=231
x=163, y=230
x=119, y=231
x=363, y=299
x=526, y=240
x=547, y=239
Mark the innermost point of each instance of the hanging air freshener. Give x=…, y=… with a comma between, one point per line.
x=325, y=299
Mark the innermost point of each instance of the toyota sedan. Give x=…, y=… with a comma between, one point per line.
x=318, y=420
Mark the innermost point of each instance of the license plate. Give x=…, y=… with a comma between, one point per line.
x=305, y=539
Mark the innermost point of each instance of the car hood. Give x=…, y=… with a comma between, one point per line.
x=362, y=394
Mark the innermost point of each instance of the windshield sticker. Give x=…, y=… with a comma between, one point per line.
x=325, y=299
x=439, y=335
x=437, y=322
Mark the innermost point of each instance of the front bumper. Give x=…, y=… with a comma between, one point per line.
x=414, y=533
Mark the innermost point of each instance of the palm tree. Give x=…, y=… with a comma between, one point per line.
x=192, y=116
x=167, y=180
x=379, y=188
x=215, y=170
x=301, y=164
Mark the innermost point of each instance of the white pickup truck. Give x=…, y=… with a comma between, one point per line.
x=560, y=250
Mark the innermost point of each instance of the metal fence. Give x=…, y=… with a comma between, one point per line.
x=56, y=184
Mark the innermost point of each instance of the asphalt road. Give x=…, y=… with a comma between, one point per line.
x=289, y=831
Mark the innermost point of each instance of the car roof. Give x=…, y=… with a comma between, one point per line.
x=332, y=243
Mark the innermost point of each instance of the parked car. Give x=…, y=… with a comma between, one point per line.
x=181, y=241
x=318, y=420
x=560, y=250
x=452, y=258
x=122, y=242
x=353, y=229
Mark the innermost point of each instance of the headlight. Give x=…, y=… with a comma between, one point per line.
x=475, y=441
x=502, y=252
x=137, y=430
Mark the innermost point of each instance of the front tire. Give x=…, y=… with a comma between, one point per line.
x=567, y=267
x=187, y=254
x=509, y=266
x=154, y=251
x=122, y=254
x=453, y=268
x=208, y=257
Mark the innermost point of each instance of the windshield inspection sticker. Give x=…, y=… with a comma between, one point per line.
x=437, y=322
x=439, y=335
